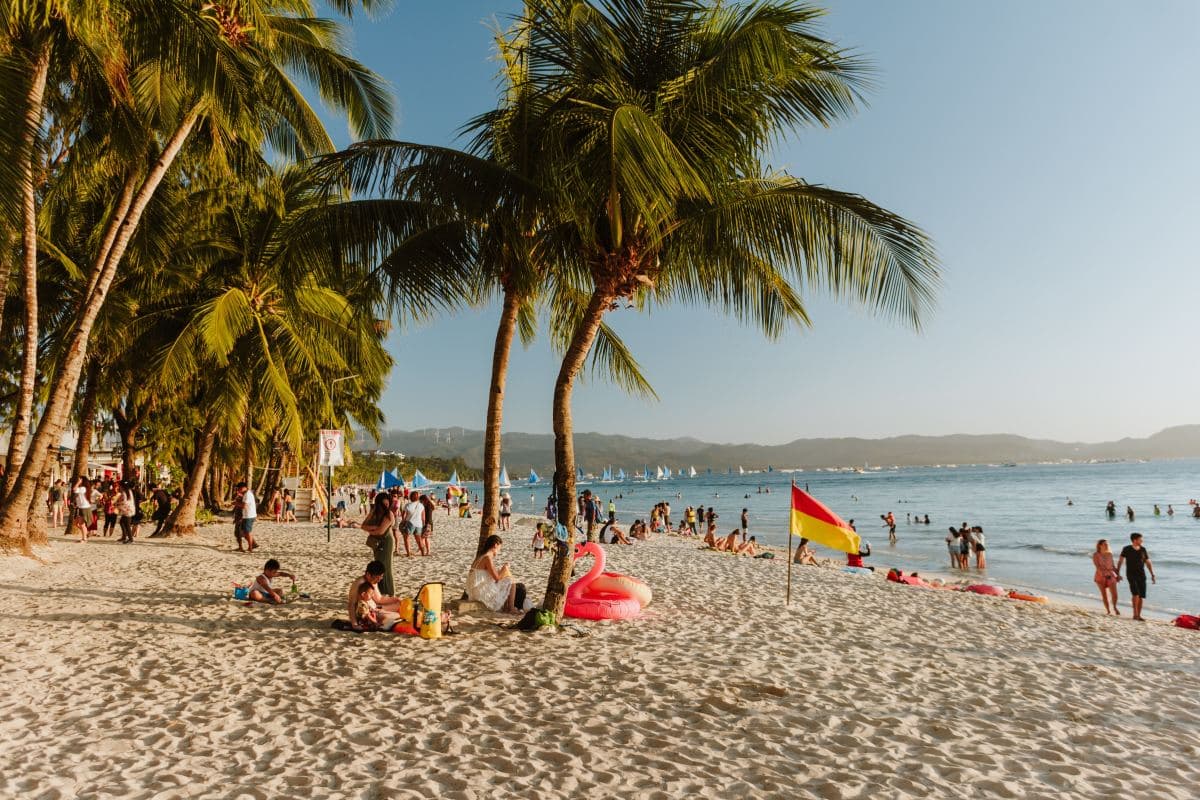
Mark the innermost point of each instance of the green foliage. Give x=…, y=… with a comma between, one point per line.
x=364, y=469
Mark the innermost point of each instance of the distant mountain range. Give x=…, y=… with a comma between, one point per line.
x=594, y=451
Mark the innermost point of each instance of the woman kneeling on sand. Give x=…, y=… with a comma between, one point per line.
x=492, y=586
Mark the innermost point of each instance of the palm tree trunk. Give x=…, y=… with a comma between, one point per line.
x=495, y=419
x=14, y=512
x=7, y=241
x=24, y=411
x=564, y=447
x=87, y=421
x=182, y=521
x=37, y=507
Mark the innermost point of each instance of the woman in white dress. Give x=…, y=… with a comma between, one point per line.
x=492, y=586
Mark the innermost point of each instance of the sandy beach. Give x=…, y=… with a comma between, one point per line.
x=127, y=673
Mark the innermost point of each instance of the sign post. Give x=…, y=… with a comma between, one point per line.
x=330, y=454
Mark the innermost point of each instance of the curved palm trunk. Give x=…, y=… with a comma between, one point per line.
x=14, y=513
x=8, y=240
x=182, y=521
x=564, y=448
x=24, y=412
x=495, y=418
x=87, y=422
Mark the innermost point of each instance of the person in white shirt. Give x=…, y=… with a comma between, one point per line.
x=414, y=521
x=83, y=514
x=248, y=505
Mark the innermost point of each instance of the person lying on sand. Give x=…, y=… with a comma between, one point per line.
x=340, y=520
x=618, y=535
x=748, y=548
x=263, y=590
x=728, y=544
x=805, y=555
x=387, y=608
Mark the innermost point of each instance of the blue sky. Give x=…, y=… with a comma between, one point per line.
x=1049, y=149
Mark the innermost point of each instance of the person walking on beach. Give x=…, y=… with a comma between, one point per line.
x=1136, y=560
x=83, y=513
x=249, y=515
x=414, y=522
x=162, y=508
x=126, y=509
x=56, y=504
x=1106, y=577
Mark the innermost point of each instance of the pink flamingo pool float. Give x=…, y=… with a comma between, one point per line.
x=605, y=595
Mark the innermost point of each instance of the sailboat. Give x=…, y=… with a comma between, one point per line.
x=419, y=481
x=533, y=477
x=606, y=477
x=741, y=471
x=579, y=476
x=667, y=473
x=644, y=475
x=505, y=483
x=621, y=475
x=399, y=478
x=454, y=479
x=691, y=472
x=658, y=473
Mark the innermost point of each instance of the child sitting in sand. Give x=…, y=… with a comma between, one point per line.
x=366, y=616
x=263, y=590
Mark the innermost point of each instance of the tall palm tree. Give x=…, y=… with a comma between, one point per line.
x=658, y=117
x=261, y=334
x=223, y=70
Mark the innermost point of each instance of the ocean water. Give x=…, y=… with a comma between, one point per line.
x=1034, y=539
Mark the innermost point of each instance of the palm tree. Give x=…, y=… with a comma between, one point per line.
x=223, y=70
x=259, y=333
x=657, y=119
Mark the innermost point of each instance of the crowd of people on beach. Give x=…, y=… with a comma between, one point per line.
x=98, y=507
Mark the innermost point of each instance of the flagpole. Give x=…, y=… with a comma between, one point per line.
x=788, y=601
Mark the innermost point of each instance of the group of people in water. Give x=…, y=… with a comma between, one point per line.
x=1110, y=510
x=961, y=542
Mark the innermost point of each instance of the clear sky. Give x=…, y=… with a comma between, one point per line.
x=1049, y=149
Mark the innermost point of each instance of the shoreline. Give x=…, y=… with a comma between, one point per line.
x=145, y=681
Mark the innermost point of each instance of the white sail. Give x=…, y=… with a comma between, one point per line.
x=658, y=473
x=504, y=482
x=691, y=472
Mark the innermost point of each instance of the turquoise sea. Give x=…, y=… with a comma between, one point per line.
x=1034, y=539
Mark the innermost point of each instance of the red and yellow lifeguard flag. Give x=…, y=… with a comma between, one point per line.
x=813, y=521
